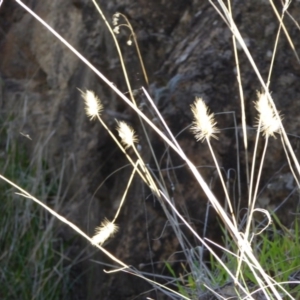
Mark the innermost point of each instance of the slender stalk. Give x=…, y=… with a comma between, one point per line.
x=126, y=191
x=118, y=49
x=243, y=109
x=223, y=183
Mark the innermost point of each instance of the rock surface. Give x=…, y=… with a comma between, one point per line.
x=187, y=50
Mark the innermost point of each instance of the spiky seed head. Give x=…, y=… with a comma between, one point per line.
x=106, y=230
x=126, y=134
x=93, y=106
x=204, y=125
x=270, y=124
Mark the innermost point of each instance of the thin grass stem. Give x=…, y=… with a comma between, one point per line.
x=126, y=191
x=223, y=183
x=243, y=109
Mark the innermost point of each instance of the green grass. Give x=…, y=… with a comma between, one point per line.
x=31, y=254
x=277, y=250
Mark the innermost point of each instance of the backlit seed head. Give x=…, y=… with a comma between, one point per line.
x=204, y=125
x=270, y=124
x=106, y=230
x=126, y=134
x=93, y=106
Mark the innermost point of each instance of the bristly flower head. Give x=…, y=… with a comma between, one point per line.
x=270, y=124
x=126, y=134
x=106, y=230
x=93, y=106
x=204, y=125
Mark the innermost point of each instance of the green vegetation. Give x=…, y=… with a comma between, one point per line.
x=277, y=250
x=32, y=264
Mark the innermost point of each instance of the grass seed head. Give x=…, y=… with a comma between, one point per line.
x=270, y=124
x=204, y=125
x=126, y=134
x=116, y=30
x=106, y=230
x=93, y=106
x=115, y=19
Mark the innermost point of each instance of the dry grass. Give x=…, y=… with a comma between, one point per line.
x=243, y=250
